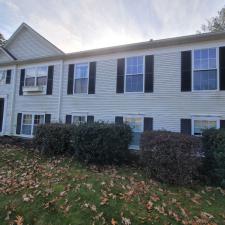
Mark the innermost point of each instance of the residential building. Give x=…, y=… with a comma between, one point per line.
x=175, y=84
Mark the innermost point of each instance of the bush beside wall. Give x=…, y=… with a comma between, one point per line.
x=214, y=152
x=53, y=139
x=170, y=157
x=102, y=143
x=98, y=143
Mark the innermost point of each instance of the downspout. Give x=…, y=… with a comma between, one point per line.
x=60, y=89
x=12, y=113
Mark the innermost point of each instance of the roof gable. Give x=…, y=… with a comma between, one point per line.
x=5, y=56
x=26, y=43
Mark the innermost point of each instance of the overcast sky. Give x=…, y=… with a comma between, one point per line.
x=75, y=25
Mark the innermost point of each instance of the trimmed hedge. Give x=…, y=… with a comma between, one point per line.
x=98, y=143
x=102, y=143
x=170, y=157
x=214, y=152
x=53, y=139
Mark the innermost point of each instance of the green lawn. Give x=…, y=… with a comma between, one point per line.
x=37, y=190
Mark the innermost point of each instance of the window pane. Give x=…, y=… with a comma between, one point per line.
x=81, y=71
x=204, y=64
x=38, y=119
x=26, y=129
x=42, y=71
x=136, y=136
x=81, y=85
x=136, y=125
x=212, y=53
x=134, y=83
x=205, y=59
x=201, y=125
x=27, y=119
x=30, y=72
x=27, y=124
x=197, y=54
x=41, y=81
x=205, y=80
x=212, y=63
x=204, y=54
x=78, y=119
x=134, y=65
x=30, y=81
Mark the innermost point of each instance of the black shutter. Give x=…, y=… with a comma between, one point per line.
x=222, y=68
x=185, y=126
x=120, y=75
x=8, y=76
x=90, y=119
x=47, y=118
x=119, y=120
x=18, y=124
x=186, y=71
x=148, y=124
x=22, y=79
x=68, y=119
x=70, y=79
x=92, y=78
x=50, y=80
x=222, y=123
x=149, y=73
x=1, y=112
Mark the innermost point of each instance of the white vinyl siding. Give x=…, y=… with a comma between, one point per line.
x=47, y=104
x=29, y=45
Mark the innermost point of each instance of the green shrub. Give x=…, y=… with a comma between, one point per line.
x=102, y=143
x=214, y=152
x=53, y=139
x=170, y=157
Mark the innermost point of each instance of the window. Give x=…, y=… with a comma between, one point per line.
x=201, y=124
x=2, y=76
x=81, y=78
x=30, y=123
x=42, y=73
x=136, y=124
x=205, y=69
x=134, y=74
x=38, y=119
x=79, y=119
x=27, y=124
x=36, y=76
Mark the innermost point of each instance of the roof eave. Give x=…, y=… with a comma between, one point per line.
x=129, y=47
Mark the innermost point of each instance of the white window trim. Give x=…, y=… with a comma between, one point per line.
x=74, y=78
x=193, y=69
x=208, y=118
x=135, y=147
x=125, y=73
x=36, y=75
x=32, y=128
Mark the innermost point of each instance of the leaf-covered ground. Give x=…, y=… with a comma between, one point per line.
x=37, y=190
